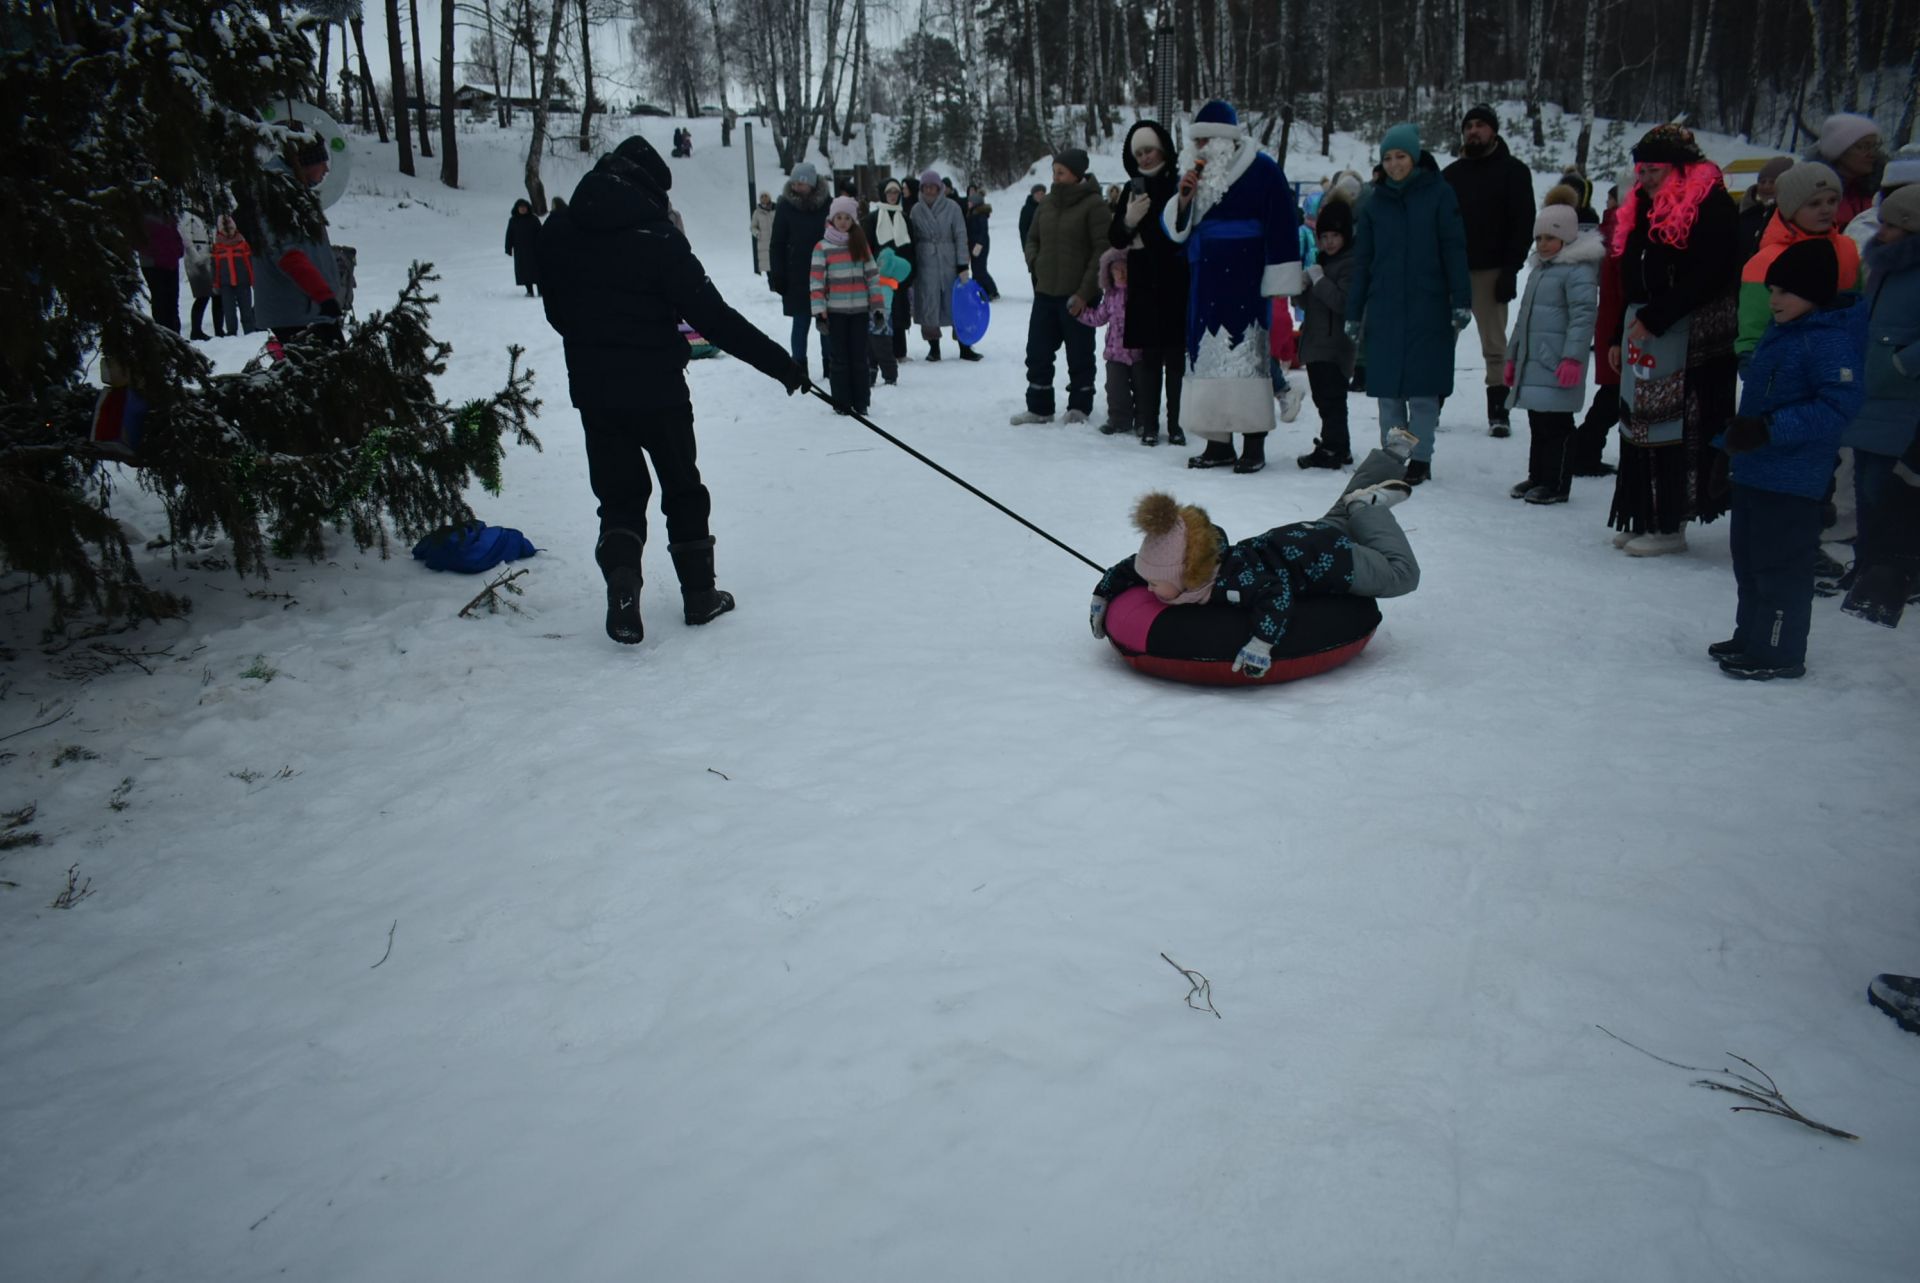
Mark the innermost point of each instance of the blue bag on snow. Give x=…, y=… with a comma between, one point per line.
x=472, y=548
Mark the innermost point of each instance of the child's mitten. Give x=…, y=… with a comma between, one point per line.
x=1568, y=375
x=1254, y=659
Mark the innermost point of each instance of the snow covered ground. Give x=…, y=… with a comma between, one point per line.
x=823, y=943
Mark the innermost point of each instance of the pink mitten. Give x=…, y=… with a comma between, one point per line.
x=1568, y=375
x=1506, y=376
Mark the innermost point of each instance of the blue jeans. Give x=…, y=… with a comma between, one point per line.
x=1419, y=415
x=798, y=344
x=1278, y=373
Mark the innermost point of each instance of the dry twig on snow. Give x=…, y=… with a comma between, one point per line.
x=1766, y=1096
x=1202, y=988
x=490, y=595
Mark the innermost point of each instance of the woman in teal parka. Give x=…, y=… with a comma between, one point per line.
x=1410, y=297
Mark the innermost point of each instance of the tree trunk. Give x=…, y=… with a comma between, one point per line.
x=1697, y=91
x=346, y=78
x=1850, y=54
x=1329, y=29
x=419, y=79
x=720, y=56
x=537, y=145
x=449, y=137
x=1459, y=77
x=1589, y=64
x=1819, y=47
x=1416, y=47
x=1688, y=68
x=1905, y=131
x=1750, y=113
x=586, y=75
x=326, y=57
x=397, y=66
x=367, y=95
x=1536, y=58
x=1040, y=123
x=859, y=57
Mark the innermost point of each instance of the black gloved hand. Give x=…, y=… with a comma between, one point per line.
x=330, y=308
x=1507, y=288
x=794, y=378
x=1744, y=433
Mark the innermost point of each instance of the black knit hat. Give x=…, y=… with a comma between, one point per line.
x=1335, y=216
x=653, y=171
x=1481, y=111
x=1668, y=145
x=308, y=148
x=1075, y=160
x=1810, y=269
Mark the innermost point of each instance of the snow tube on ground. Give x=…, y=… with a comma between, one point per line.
x=1197, y=643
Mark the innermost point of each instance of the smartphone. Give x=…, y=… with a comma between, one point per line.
x=1138, y=186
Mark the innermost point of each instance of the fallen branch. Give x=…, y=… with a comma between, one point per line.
x=1766, y=1096
x=50, y=721
x=490, y=595
x=1200, y=986
x=383, y=958
x=75, y=891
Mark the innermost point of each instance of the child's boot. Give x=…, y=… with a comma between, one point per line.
x=618, y=554
x=693, y=562
x=1384, y=495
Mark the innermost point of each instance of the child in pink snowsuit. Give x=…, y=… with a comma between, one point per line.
x=1112, y=313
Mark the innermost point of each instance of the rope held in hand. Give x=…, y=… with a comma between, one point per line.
x=970, y=488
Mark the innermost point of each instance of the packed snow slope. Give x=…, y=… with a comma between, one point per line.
x=824, y=942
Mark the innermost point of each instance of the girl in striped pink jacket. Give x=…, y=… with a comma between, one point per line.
x=845, y=297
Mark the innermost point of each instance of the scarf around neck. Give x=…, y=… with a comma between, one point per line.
x=890, y=226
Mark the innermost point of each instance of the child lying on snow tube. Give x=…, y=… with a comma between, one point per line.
x=1357, y=549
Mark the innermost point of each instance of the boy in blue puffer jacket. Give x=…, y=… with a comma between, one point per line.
x=1803, y=386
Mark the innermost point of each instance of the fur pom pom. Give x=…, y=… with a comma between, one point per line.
x=1155, y=514
x=1563, y=195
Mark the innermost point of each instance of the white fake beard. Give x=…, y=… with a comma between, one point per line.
x=1214, y=178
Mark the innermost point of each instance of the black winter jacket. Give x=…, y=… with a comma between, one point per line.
x=1157, y=268
x=617, y=278
x=1670, y=283
x=1495, y=192
x=523, y=239
x=1265, y=573
x=797, y=228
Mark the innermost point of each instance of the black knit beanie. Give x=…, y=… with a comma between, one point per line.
x=653, y=170
x=1810, y=269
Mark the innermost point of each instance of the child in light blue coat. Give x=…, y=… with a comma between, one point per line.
x=1547, y=353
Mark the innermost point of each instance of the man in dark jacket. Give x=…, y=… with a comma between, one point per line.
x=617, y=280
x=1035, y=194
x=1495, y=193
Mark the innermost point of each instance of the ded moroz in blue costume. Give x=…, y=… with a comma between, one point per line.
x=1241, y=233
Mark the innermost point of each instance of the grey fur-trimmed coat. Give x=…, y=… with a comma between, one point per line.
x=941, y=254
x=1554, y=324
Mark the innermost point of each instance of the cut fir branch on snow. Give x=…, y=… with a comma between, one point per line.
x=1766, y=1097
x=352, y=440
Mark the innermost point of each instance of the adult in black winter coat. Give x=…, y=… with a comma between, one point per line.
x=799, y=220
x=1156, y=315
x=618, y=279
x=523, y=239
x=888, y=227
x=1495, y=193
x=1035, y=195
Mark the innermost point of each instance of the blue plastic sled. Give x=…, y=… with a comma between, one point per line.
x=971, y=311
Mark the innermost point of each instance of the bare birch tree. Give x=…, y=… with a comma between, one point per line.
x=397, y=67
x=543, y=101
x=449, y=136
x=419, y=79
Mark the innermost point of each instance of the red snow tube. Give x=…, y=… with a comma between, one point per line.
x=1197, y=643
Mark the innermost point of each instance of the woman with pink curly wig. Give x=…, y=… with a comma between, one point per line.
x=1678, y=242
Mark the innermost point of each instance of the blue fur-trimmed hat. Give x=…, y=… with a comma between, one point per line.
x=1217, y=119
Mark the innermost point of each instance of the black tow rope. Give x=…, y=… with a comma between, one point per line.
x=970, y=488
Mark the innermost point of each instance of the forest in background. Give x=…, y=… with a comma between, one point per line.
x=992, y=84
